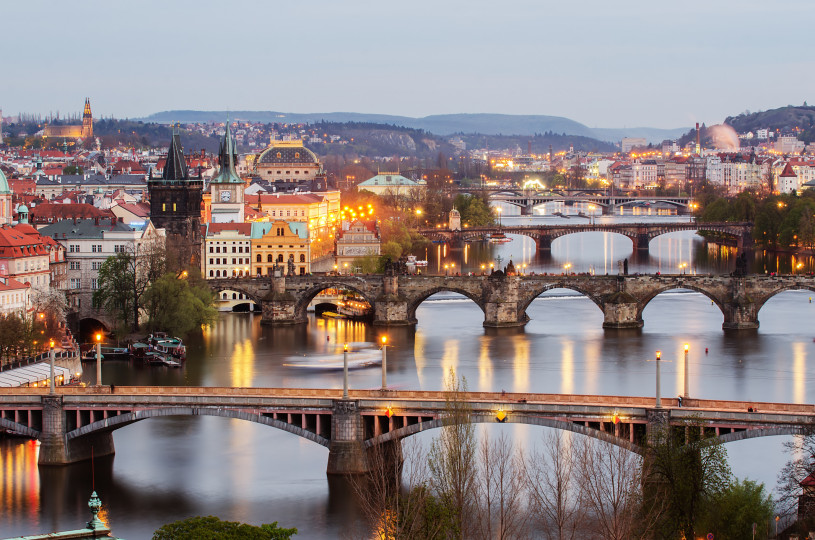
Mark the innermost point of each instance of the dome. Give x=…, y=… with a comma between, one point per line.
x=22, y=208
x=4, y=188
x=287, y=153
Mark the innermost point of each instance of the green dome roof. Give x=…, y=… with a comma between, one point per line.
x=4, y=189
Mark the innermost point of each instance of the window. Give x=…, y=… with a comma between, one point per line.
x=280, y=258
x=269, y=258
x=233, y=249
x=288, y=213
x=163, y=207
x=75, y=265
x=73, y=248
x=210, y=249
x=94, y=284
x=234, y=261
x=211, y=273
x=302, y=258
x=99, y=248
x=174, y=207
x=93, y=248
x=76, y=283
x=210, y=262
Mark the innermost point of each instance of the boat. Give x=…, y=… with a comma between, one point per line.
x=168, y=345
x=360, y=355
x=498, y=238
x=108, y=353
x=412, y=261
x=353, y=307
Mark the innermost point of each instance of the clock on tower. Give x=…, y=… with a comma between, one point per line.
x=225, y=196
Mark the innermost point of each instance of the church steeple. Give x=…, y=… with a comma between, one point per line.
x=175, y=167
x=226, y=158
x=87, y=120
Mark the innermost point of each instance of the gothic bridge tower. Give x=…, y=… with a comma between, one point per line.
x=175, y=205
x=87, y=121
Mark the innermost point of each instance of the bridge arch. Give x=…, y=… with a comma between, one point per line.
x=759, y=432
x=524, y=304
x=514, y=418
x=305, y=297
x=26, y=431
x=233, y=285
x=783, y=288
x=415, y=301
x=122, y=420
x=676, y=286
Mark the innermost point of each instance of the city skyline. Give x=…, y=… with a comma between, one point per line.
x=604, y=66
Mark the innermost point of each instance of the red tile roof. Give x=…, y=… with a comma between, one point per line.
x=242, y=228
x=788, y=172
x=283, y=198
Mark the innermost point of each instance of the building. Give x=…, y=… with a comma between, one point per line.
x=393, y=184
x=787, y=180
x=275, y=243
x=24, y=256
x=90, y=242
x=629, y=143
x=84, y=132
x=5, y=200
x=356, y=239
x=15, y=296
x=227, y=250
x=287, y=161
x=175, y=206
x=226, y=187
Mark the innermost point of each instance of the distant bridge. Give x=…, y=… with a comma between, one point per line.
x=640, y=234
x=75, y=419
x=504, y=299
x=607, y=203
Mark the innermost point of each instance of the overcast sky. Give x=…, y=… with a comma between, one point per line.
x=602, y=63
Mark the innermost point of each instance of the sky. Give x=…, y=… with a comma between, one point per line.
x=602, y=63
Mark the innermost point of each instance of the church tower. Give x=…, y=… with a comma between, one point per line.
x=226, y=187
x=87, y=121
x=175, y=205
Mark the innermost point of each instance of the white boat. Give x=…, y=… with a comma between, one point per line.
x=360, y=355
x=499, y=238
x=412, y=261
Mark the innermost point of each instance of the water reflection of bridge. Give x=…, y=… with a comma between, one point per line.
x=640, y=234
x=77, y=419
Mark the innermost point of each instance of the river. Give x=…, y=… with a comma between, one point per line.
x=172, y=468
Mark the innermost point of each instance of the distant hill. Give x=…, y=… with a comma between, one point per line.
x=441, y=124
x=785, y=119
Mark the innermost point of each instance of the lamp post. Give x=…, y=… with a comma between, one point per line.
x=384, y=363
x=345, y=371
x=99, y=359
x=687, y=378
x=51, y=358
x=659, y=401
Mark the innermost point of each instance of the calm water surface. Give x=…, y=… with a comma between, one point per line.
x=171, y=468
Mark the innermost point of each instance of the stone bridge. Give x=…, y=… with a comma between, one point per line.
x=527, y=200
x=76, y=419
x=505, y=299
x=640, y=234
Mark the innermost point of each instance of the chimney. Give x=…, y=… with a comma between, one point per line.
x=96, y=221
x=698, y=146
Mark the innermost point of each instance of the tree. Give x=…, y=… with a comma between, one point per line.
x=553, y=485
x=73, y=169
x=210, y=527
x=500, y=490
x=51, y=307
x=179, y=304
x=474, y=209
x=115, y=291
x=452, y=459
x=611, y=481
x=791, y=502
x=730, y=514
x=685, y=469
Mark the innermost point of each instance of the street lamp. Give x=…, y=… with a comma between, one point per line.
x=686, y=371
x=345, y=371
x=446, y=267
x=384, y=362
x=566, y=267
x=99, y=359
x=51, y=358
x=659, y=401
x=418, y=215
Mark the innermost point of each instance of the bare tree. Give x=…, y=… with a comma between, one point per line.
x=553, y=488
x=611, y=481
x=500, y=490
x=452, y=459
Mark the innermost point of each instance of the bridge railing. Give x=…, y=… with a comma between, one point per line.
x=42, y=357
x=414, y=396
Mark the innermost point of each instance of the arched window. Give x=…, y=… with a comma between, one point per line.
x=260, y=258
x=211, y=273
x=302, y=257
x=234, y=296
x=269, y=258
x=280, y=258
x=217, y=273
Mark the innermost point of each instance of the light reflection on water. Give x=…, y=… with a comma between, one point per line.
x=171, y=468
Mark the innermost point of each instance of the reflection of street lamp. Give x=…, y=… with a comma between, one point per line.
x=659, y=401
x=686, y=370
x=499, y=210
x=345, y=371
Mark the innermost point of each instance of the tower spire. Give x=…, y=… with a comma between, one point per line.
x=176, y=166
x=226, y=158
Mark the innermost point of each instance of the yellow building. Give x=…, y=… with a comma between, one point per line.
x=319, y=211
x=278, y=242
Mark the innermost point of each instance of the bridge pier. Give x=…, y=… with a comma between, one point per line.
x=544, y=243
x=501, y=309
x=279, y=307
x=391, y=309
x=641, y=242
x=621, y=310
x=740, y=312
x=346, y=452
x=57, y=449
